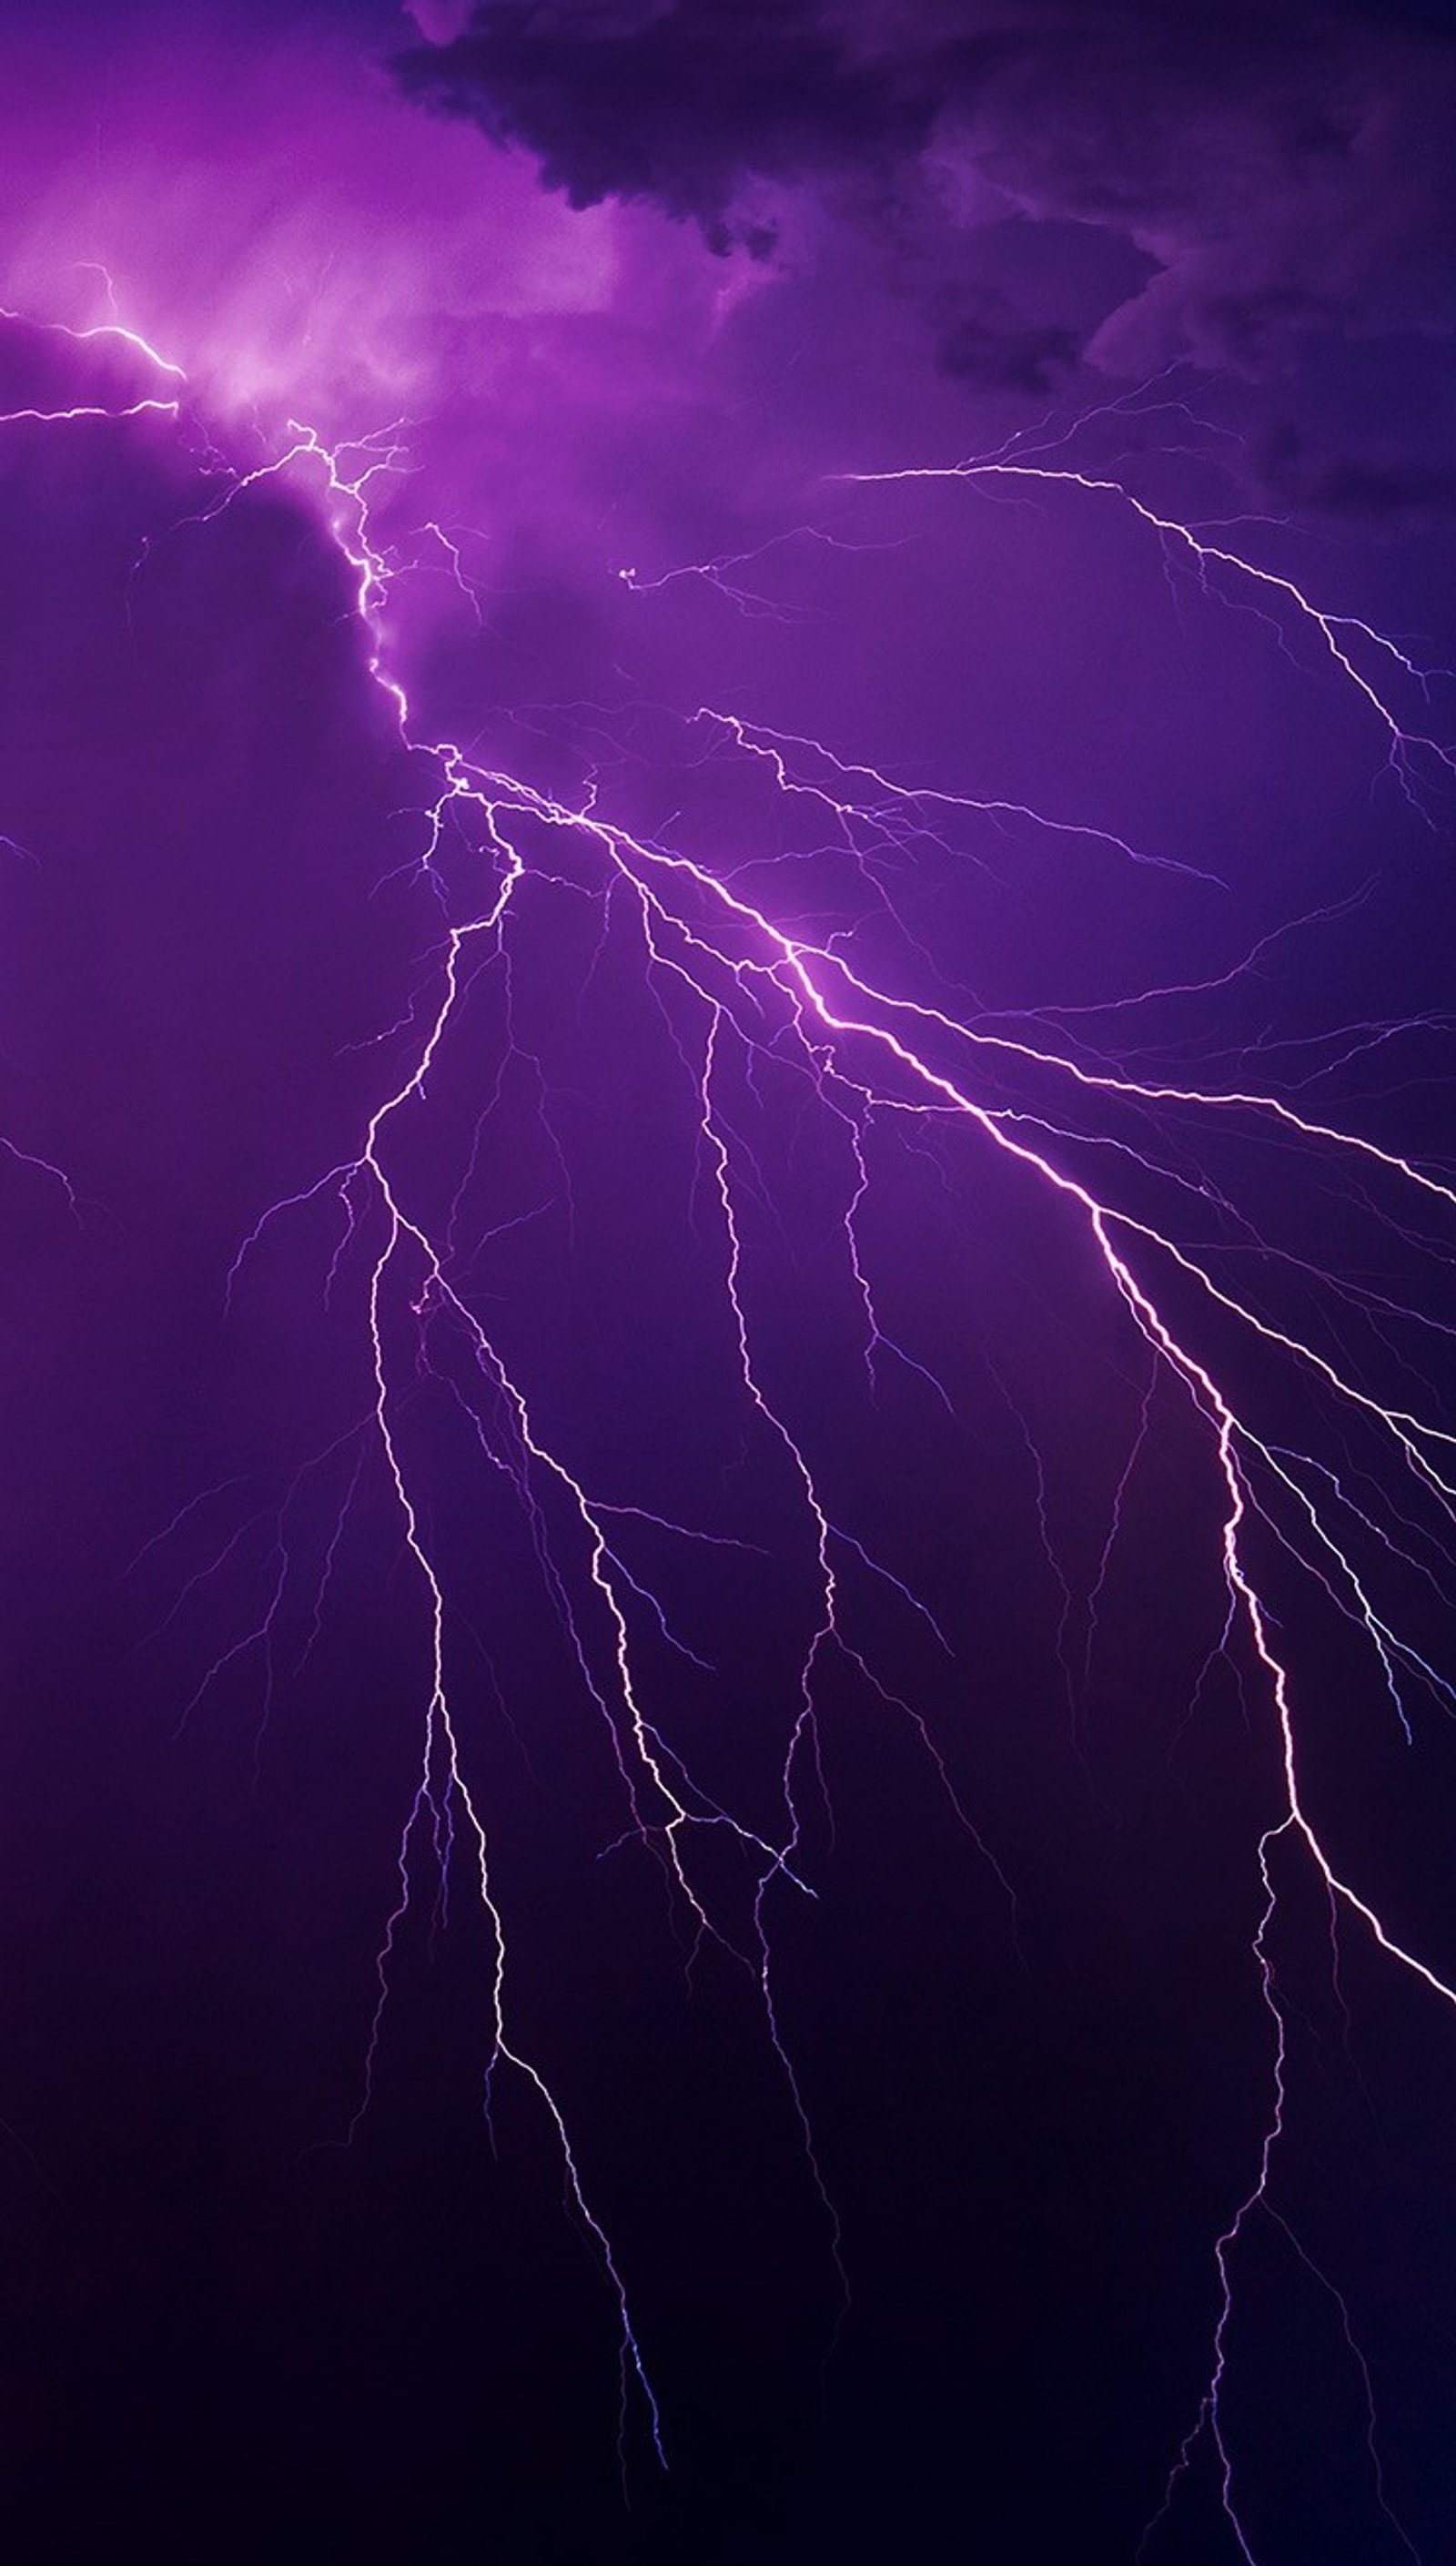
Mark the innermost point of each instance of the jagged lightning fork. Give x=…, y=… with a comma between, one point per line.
x=1116, y=1150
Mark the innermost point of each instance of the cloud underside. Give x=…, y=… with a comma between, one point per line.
x=1283, y=168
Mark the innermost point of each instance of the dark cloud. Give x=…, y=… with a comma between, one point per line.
x=988, y=345
x=679, y=105
x=1297, y=473
x=1285, y=169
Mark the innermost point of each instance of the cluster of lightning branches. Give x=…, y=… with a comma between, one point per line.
x=889, y=1056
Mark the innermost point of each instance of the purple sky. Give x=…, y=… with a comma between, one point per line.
x=727, y=751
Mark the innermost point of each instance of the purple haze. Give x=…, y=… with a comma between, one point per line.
x=727, y=1131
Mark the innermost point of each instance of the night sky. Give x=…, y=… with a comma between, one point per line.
x=729, y=1213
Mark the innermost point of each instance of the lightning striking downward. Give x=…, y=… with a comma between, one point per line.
x=1313, y=1388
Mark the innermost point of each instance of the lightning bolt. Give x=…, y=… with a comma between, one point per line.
x=749, y=981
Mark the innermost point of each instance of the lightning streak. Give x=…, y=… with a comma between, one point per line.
x=744, y=990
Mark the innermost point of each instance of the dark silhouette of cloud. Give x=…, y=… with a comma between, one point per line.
x=1285, y=169
x=680, y=104
x=988, y=344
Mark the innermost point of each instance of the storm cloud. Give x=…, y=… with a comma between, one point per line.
x=1285, y=170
